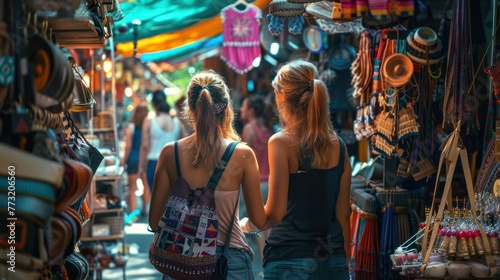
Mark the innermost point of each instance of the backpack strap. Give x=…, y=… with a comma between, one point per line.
x=214, y=180
x=177, y=164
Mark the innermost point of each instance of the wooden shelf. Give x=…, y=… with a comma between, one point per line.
x=77, y=33
x=103, y=238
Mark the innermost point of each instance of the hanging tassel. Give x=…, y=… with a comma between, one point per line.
x=295, y=24
x=275, y=25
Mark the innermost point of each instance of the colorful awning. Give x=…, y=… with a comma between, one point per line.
x=170, y=24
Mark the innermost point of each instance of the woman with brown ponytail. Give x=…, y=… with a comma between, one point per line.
x=309, y=183
x=194, y=159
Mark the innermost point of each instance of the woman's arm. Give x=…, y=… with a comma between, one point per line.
x=146, y=125
x=128, y=144
x=161, y=186
x=251, y=188
x=343, y=207
x=278, y=179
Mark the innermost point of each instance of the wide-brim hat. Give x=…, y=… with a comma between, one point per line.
x=282, y=8
x=397, y=70
x=424, y=47
x=314, y=38
x=425, y=36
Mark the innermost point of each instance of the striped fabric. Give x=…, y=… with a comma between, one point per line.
x=348, y=9
x=362, y=8
x=379, y=8
x=401, y=8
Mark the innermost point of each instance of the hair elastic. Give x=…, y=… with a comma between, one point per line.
x=311, y=86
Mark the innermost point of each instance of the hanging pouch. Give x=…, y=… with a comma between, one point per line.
x=451, y=150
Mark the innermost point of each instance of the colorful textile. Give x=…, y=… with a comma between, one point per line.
x=379, y=8
x=185, y=240
x=348, y=9
x=241, y=43
x=362, y=8
x=402, y=8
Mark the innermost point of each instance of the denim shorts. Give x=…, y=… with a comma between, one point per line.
x=239, y=262
x=334, y=267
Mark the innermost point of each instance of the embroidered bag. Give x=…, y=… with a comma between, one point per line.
x=185, y=241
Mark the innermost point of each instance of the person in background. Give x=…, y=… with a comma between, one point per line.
x=133, y=137
x=210, y=112
x=256, y=134
x=157, y=131
x=309, y=183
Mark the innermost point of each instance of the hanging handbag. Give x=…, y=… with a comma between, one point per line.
x=451, y=150
x=85, y=152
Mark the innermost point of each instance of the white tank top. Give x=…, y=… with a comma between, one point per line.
x=159, y=138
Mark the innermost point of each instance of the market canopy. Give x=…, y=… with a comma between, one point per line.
x=170, y=24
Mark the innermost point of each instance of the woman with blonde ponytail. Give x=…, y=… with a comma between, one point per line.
x=194, y=159
x=309, y=183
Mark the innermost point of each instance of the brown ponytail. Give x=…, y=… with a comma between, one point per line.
x=210, y=110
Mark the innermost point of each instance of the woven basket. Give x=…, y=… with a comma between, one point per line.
x=103, y=120
x=282, y=8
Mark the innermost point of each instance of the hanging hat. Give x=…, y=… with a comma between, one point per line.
x=282, y=8
x=425, y=36
x=327, y=10
x=423, y=46
x=397, y=70
x=314, y=38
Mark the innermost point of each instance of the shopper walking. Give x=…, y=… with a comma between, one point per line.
x=192, y=161
x=157, y=131
x=133, y=137
x=309, y=183
x=256, y=134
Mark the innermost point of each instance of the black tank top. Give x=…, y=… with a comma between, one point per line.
x=309, y=227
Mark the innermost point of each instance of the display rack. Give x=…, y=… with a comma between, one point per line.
x=112, y=175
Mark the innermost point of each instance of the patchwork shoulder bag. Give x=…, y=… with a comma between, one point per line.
x=185, y=241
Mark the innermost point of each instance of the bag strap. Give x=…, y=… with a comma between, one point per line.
x=230, y=230
x=214, y=179
x=177, y=164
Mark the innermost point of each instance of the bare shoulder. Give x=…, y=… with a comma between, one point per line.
x=279, y=139
x=168, y=151
x=244, y=151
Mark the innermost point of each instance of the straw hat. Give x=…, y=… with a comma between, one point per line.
x=425, y=36
x=397, y=70
x=424, y=47
x=282, y=8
